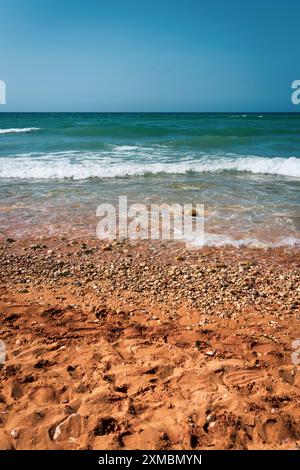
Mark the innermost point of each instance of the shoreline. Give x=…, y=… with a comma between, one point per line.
x=148, y=345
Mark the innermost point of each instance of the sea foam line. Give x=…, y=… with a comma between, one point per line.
x=112, y=165
x=18, y=130
x=213, y=239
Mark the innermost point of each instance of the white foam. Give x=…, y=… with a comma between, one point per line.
x=213, y=239
x=17, y=130
x=135, y=161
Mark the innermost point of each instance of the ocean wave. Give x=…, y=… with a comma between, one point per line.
x=119, y=163
x=218, y=240
x=18, y=130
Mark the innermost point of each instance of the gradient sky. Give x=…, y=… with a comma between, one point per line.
x=149, y=55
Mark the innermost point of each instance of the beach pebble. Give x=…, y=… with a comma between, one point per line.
x=211, y=352
x=15, y=433
x=70, y=427
x=192, y=212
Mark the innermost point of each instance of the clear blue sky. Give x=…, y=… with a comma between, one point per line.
x=149, y=55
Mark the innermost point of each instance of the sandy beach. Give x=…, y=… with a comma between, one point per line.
x=149, y=233
x=148, y=346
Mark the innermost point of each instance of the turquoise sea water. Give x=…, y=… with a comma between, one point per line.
x=55, y=168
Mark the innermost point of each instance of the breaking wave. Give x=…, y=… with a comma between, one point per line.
x=18, y=130
x=129, y=161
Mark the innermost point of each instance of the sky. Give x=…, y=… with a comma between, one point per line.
x=149, y=55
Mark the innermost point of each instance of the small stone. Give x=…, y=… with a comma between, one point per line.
x=211, y=352
x=70, y=427
x=15, y=433
x=107, y=247
x=193, y=213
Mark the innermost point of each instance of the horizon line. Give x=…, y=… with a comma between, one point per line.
x=149, y=112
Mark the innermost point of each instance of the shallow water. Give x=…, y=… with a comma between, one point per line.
x=245, y=168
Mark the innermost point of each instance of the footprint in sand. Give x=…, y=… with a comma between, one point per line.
x=195, y=382
x=242, y=377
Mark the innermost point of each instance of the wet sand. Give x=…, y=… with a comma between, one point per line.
x=148, y=346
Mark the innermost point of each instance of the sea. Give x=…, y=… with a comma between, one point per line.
x=56, y=168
